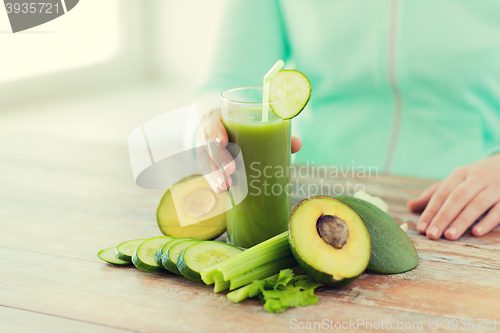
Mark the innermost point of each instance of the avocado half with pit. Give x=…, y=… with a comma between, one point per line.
x=392, y=251
x=197, y=206
x=329, y=240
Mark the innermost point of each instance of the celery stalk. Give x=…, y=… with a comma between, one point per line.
x=207, y=274
x=280, y=249
x=258, y=262
x=263, y=271
x=220, y=283
x=241, y=294
x=262, y=249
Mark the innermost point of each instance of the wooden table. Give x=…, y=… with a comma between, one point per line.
x=62, y=200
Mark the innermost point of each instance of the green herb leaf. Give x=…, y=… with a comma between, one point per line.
x=288, y=291
x=281, y=291
x=284, y=277
x=256, y=288
x=274, y=306
x=280, y=300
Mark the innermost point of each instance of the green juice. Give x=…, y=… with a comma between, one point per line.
x=265, y=148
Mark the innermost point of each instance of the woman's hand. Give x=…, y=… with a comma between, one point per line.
x=212, y=132
x=452, y=205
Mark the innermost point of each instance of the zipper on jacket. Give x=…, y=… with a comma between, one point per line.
x=391, y=68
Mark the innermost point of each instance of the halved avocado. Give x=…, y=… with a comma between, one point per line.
x=329, y=240
x=392, y=251
x=197, y=206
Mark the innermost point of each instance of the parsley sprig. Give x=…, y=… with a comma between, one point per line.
x=280, y=292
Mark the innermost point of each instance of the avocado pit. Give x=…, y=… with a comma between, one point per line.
x=200, y=202
x=333, y=230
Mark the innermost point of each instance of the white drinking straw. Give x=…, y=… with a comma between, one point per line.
x=265, y=93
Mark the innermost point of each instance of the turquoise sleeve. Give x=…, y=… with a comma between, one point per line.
x=492, y=128
x=251, y=40
x=492, y=151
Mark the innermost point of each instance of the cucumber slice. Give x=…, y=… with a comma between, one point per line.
x=289, y=92
x=165, y=248
x=173, y=254
x=125, y=250
x=159, y=253
x=108, y=255
x=203, y=255
x=144, y=255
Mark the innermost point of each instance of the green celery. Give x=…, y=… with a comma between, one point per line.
x=239, y=295
x=281, y=250
x=263, y=271
x=258, y=262
x=220, y=283
x=259, y=248
x=238, y=264
x=280, y=291
x=207, y=274
x=242, y=294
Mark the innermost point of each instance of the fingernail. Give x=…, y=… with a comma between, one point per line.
x=433, y=231
x=221, y=181
x=451, y=231
x=218, y=141
x=479, y=230
x=422, y=226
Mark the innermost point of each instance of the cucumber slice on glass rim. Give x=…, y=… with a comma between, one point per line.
x=125, y=250
x=108, y=255
x=144, y=255
x=289, y=92
x=203, y=255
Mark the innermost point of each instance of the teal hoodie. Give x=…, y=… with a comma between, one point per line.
x=409, y=87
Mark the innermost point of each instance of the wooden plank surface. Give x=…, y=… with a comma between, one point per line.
x=15, y=321
x=63, y=199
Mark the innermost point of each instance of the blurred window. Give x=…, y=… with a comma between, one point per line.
x=87, y=35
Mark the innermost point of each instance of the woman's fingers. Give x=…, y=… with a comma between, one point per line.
x=223, y=185
x=461, y=196
x=480, y=204
x=224, y=160
x=490, y=221
x=437, y=200
x=211, y=172
x=296, y=144
x=214, y=130
x=215, y=156
x=418, y=204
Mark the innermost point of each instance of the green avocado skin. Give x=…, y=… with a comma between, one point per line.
x=392, y=251
x=321, y=277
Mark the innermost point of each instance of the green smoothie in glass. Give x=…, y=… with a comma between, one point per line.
x=265, y=148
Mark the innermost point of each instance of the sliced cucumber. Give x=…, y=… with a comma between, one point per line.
x=125, y=250
x=144, y=255
x=159, y=253
x=203, y=255
x=108, y=255
x=165, y=247
x=173, y=254
x=289, y=92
